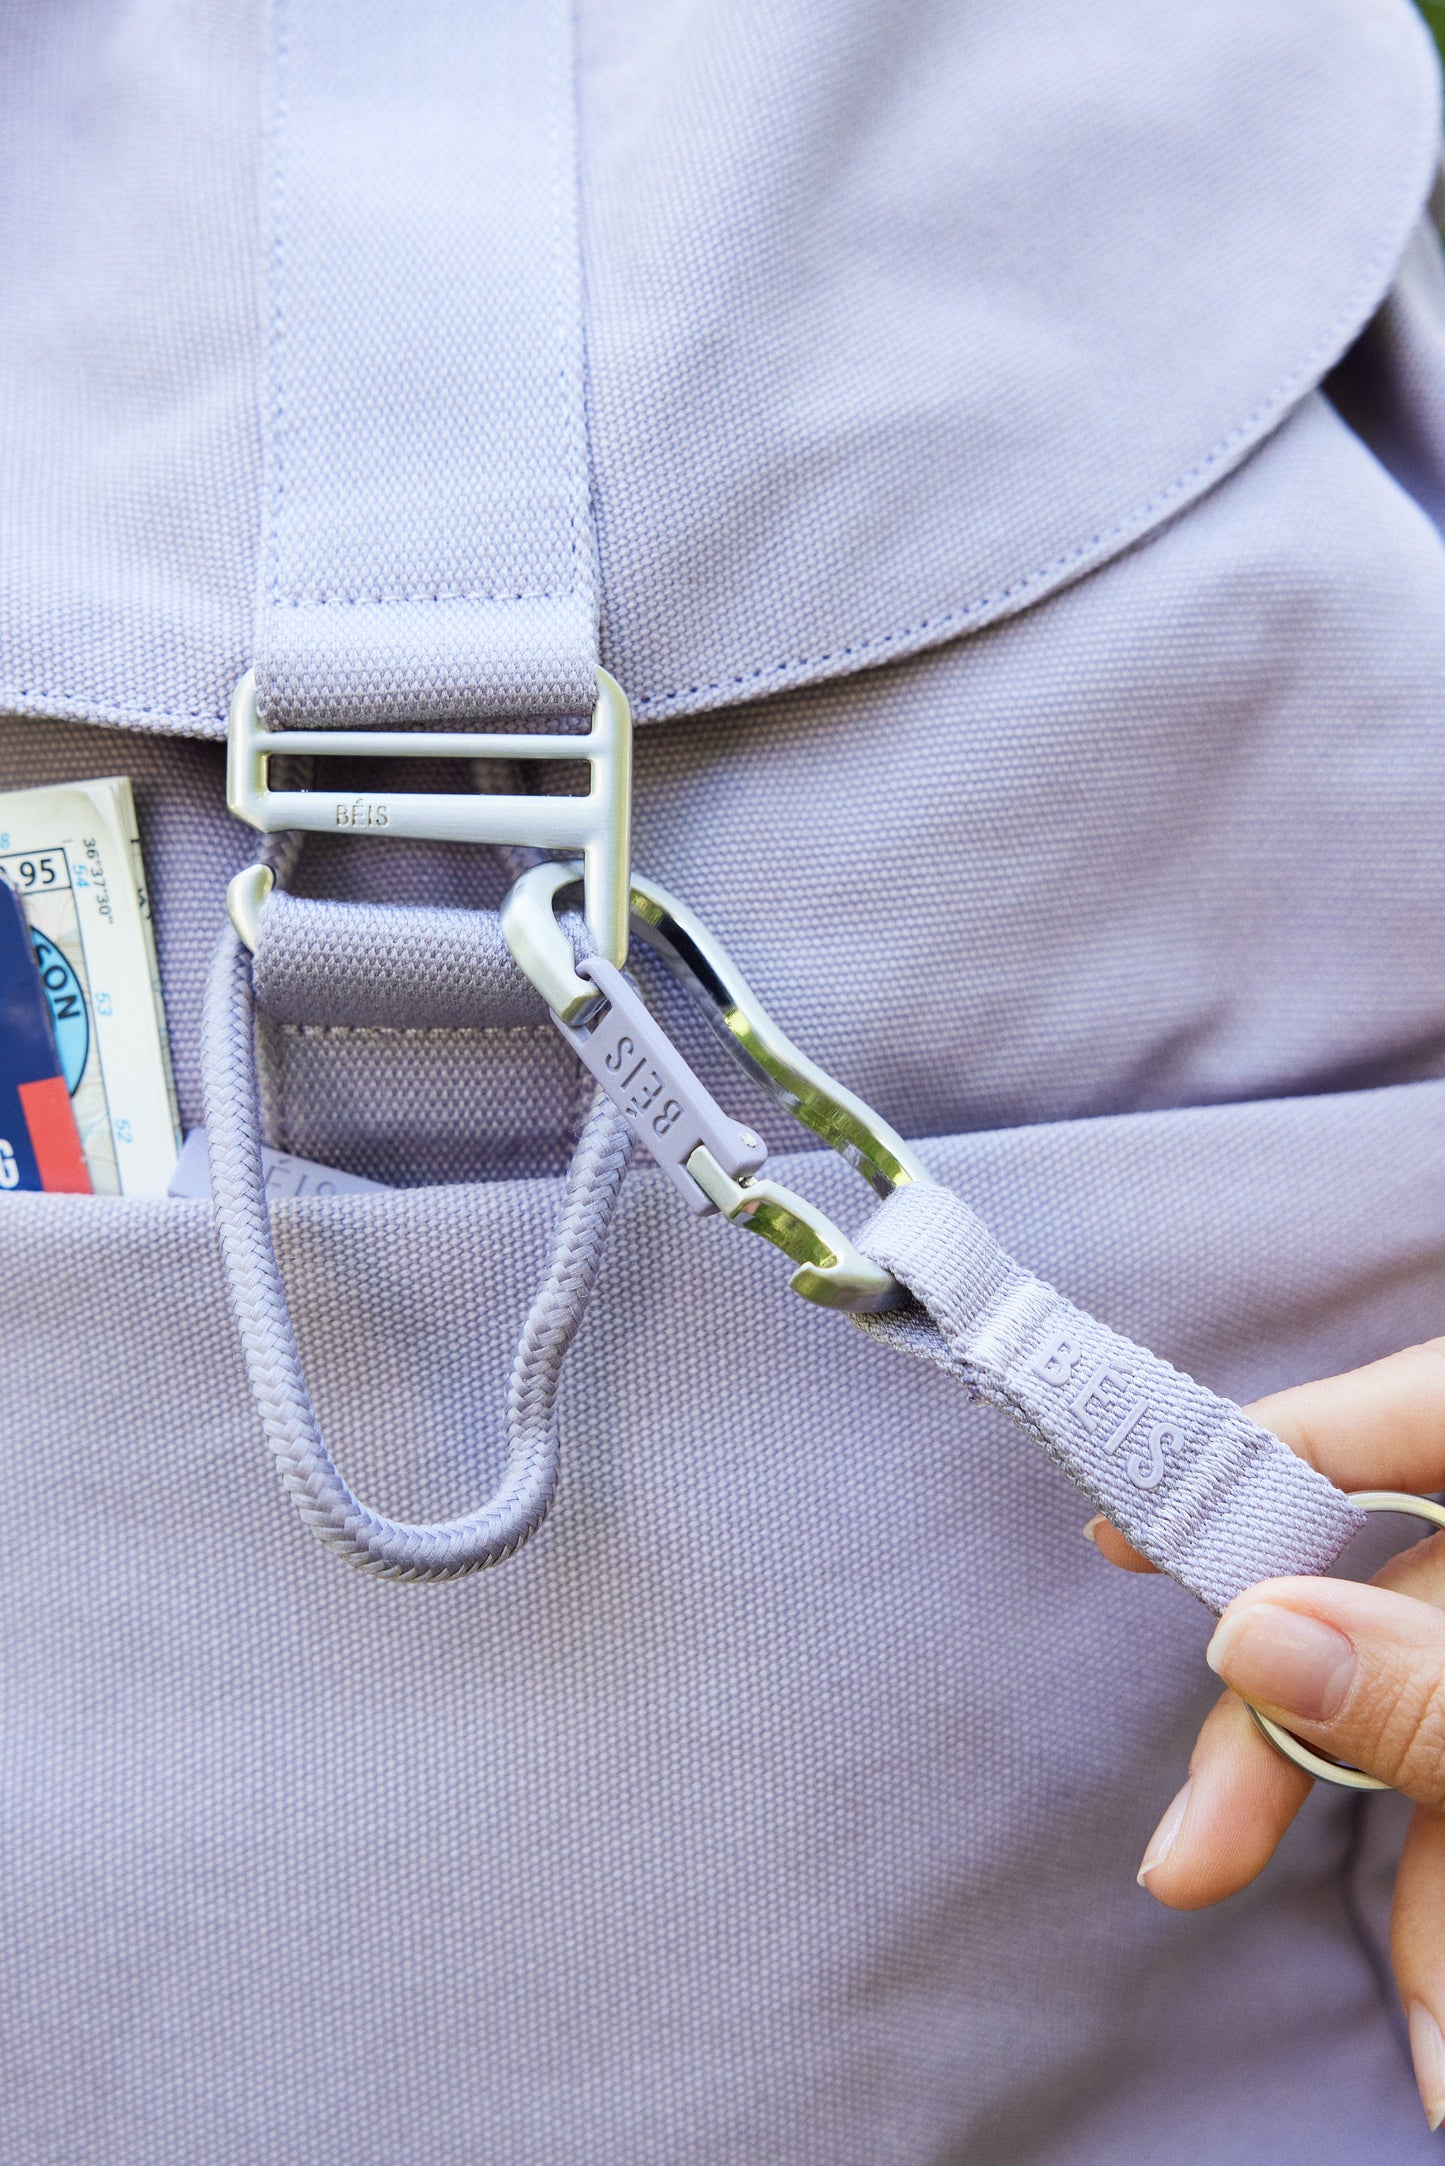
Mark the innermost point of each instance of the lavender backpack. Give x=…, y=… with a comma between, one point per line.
x=998, y=457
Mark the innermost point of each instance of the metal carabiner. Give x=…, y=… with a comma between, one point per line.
x=715, y=1162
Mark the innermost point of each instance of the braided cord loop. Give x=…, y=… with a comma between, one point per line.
x=390, y=1549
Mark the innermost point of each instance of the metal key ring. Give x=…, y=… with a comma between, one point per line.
x=1284, y=1741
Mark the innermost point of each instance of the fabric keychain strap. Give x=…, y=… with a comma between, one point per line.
x=1205, y=1493
x=427, y=541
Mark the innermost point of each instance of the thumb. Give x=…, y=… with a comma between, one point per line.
x=1358, y=1672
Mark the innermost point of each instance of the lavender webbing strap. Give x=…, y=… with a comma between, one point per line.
x=385, y=966
x=427, y=547
x=427, y=554
x=1204, y=1492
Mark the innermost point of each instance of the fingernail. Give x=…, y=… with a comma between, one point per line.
x=1427, y=2051
x=1291, y=1662
x=1091, y=1528
x=1161, y=1842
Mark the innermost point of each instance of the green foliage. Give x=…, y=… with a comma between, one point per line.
x=1434, y=14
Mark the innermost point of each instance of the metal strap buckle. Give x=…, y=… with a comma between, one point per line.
x=598, y=825
x=714, y=1160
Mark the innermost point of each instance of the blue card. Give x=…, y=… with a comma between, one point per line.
x=39, y=1141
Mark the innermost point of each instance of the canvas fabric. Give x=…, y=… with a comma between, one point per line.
x=897, y=317
x=782, y=1798
x=427, y=547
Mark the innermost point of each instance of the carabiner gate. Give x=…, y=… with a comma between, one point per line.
x=714, y=1161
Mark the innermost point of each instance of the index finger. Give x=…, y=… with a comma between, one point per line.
x=1379, y=1427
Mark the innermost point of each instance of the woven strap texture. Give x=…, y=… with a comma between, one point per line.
x=427, y=546
x=385, y=966
x=1204, y=1492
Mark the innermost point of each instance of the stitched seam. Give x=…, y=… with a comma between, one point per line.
x=565, y=289
x=1302, y=375
x=338, y=599
x=276, y=337
x=572, y=430
x=418, y=1030
x=65, y=707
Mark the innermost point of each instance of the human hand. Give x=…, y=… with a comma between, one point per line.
x=1356, y=1671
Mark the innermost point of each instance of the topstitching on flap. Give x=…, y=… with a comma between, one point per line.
x=894, y=321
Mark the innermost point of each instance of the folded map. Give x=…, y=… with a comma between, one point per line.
x=72, y=854
x=39, y=1146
